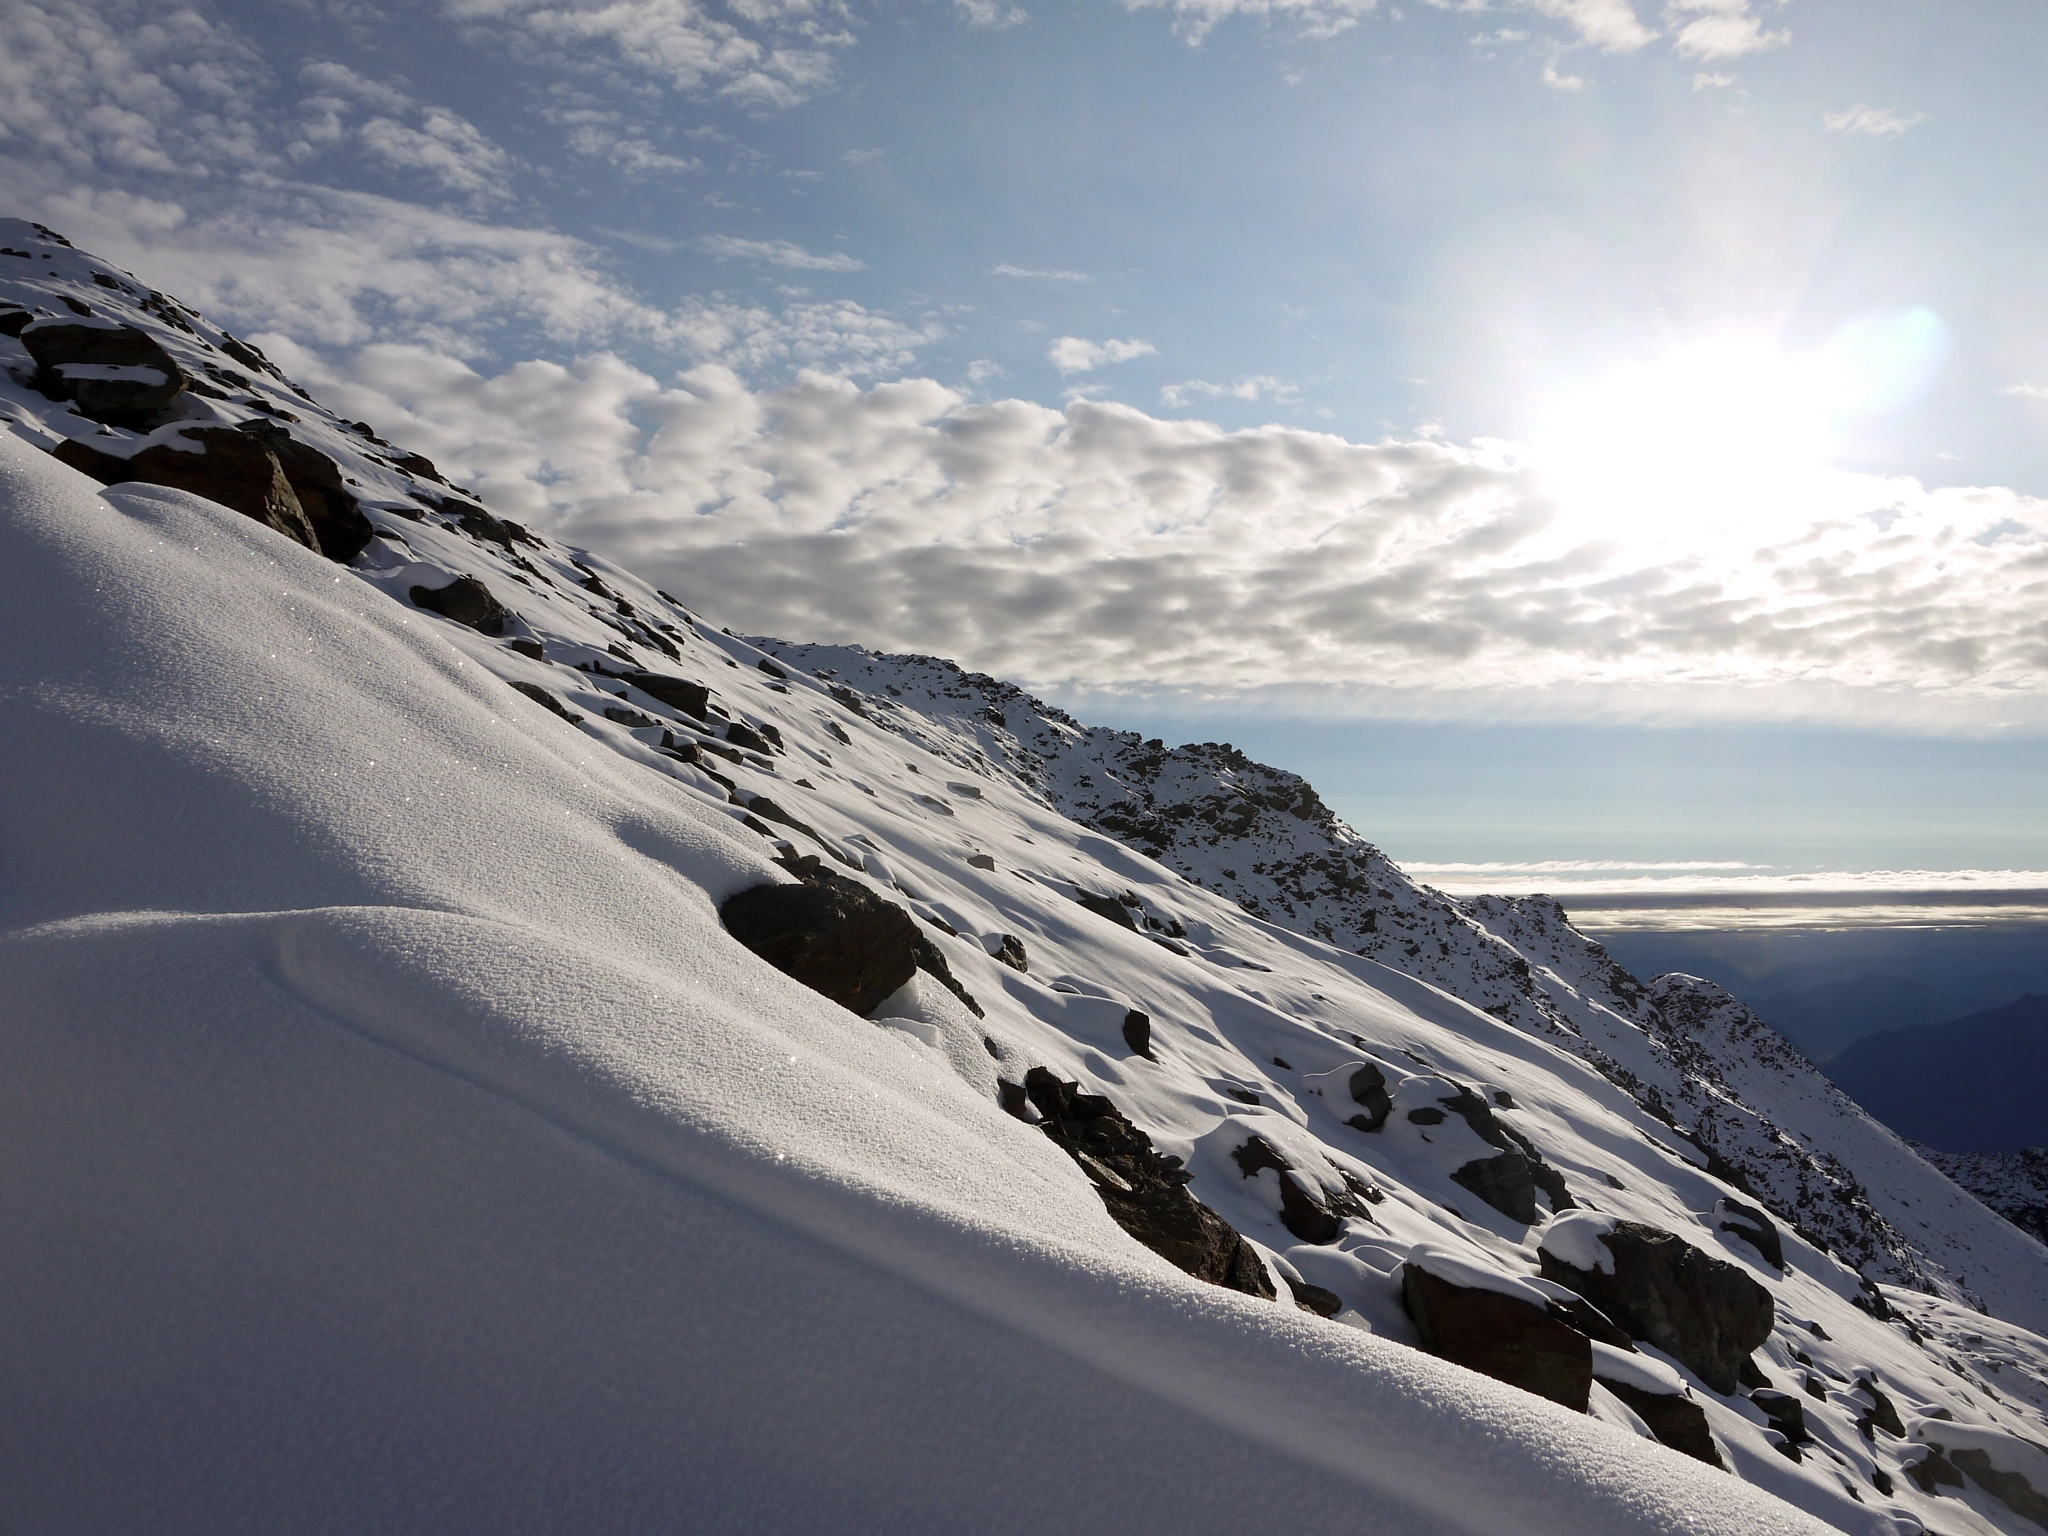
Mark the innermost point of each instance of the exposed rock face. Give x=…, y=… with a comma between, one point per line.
x=1305, y=1213
x=337, y=521
x=837, y=937
x=680, y=694
x=1508, y=1182
x=1754, y=1228
x=1145, y=1193
x=1109, y=907
x=1698, y=1309
x=2018, y=1495
x=1503, y=1182
x=221, y=464
x=467, y=601
x=1499, y=1336
x=112, y=373
x=1676, y=1421
x=1010, y=950
x=1369, y=1092
x=1787, y=1415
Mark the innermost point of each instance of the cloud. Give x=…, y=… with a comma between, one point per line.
x=1719, y=29
x=1872, y=122
x=1070, y=354
x=1711, y=82
x=775, y=54
x=1259, y=386
x=1099, y=544
x=1608, y=25
x=2027, y=391
x=986, y=13
x=1004, y=269
x=1195, y=19
x=444, y=147
x=778, y=253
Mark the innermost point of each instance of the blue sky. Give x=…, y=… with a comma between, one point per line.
x=1523, y=384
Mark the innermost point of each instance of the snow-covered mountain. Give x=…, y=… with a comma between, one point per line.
x=486, y=1048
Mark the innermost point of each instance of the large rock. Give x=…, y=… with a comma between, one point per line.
x=336, y=517
x=111, y=372
x=1500, y=1336
x=219, y=463
x=466, y=601
x=1503, y=1182
x=1145, y=1193
x=837, y=937
x=1702, y=1311
x=1369, y=1092
x=1676, y=1420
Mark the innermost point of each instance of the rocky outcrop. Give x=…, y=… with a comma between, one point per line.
x=1369, y=1091
x=1675, y=1419
x=1145, y=1193
x=1501, y=1336
x=465, y=600
x=1754, y=1228
x=837, y=937
x=219, y=463
x=1702, y=1311
x=113, y=373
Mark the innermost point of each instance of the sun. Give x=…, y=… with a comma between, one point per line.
x=1725, y=438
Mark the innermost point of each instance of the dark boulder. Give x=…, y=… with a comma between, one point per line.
x=1138, y=1033
x=465, y=600
x=837, y=937
x=679, y=694
x=1787, y=1415
x=1108, y=907
x=112, y=373
x=337, y=518
x=1882, y=1413
x=1011, y=952
x=1313, y=1298
x=1305, y=1210
x=1703, y=1311
x=1500, y=1336
x=1675, y=1419
x=548, y=701
x=746, y=738
x=218, y=463
x=1934, y=1471
x=1369, y=1092
x=2012, y=1488
x=1503, y=1182
x=1754, y=1228
x=1145, y=1193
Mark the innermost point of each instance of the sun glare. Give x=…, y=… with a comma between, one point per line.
x=1722, y=438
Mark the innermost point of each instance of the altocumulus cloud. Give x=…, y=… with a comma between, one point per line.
x=1102, y=545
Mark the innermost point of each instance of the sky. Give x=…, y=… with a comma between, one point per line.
x=1566, y=430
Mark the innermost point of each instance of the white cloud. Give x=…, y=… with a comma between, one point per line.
x=1259, y=386
x=783, y=54
x=1195, y=19
x=1071, y=354
x=1612, y=26
x=1101, y=544
x=1004, y=269
x=2027, y=391
x=445, y=147
x=1705, y=81
x=986, y=13
x=779, y=253
x=1558, y=82
x=1872, y=122
x=1720, y=29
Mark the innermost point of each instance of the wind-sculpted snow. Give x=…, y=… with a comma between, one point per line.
x=396, y=1139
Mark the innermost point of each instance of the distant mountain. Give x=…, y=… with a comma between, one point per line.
x=1978, y=1084
x=1824, y=1020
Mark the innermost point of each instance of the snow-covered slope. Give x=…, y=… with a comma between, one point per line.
x=1685, y=1049
x=396, y=1137
x=2014, y=1184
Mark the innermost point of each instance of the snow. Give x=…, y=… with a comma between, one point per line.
x=1574, y=1237
x=1635, y=1368
x=1435, y=1259
x=398, y=1140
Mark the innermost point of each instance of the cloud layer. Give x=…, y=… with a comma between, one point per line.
x=1102, y=545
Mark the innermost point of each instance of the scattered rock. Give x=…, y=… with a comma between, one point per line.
x=1503, y=1182
x=1676, y=1421
x=746, y=738
x=1138, y=1033
x=1500, y=1336
x=1703, y=1311
x=679, y=694
x=1011, y=952
x=112, y=373
x=771, y=669
x=2012, y=1488
x=1369, y=1092
x=1146, y=1194
x=837, y=937
x=1882, y=1415
x=465, y=600
x=548, y=701
x=1307, y=1215
x=1313, y=1298
x=337, y=518
x=1109, y=907
x=530, y=649
x=218, y=463
x=1754, y=1228
x=980, y=861
x=1787, y=1415
x=1934, y=1471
